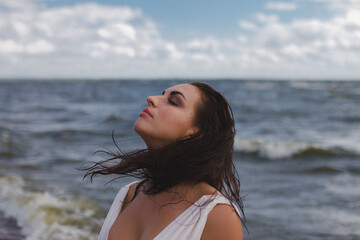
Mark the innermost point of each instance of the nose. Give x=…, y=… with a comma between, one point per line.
x=151, y=101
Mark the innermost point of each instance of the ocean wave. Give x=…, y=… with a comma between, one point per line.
x=274, y=150
x=43, y=215
x=8, y=145
x=323, y=169
x=63, y=132
x=113, y=118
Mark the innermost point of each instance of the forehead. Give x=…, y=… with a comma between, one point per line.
x=191, y=92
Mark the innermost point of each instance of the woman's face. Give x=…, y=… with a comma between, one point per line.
x=169, y=116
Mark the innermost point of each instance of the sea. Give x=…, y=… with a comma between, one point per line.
x=297, y=152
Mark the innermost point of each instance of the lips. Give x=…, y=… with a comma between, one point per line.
x=146, y=110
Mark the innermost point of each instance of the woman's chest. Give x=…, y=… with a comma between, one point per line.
x=143, y=220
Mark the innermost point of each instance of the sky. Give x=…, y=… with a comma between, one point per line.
x=147, y=39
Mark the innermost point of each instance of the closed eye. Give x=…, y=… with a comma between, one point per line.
x=175, y=93
x=172, y=103
x=169, y=100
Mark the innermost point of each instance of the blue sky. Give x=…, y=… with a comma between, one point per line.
x=206, y=16
x=179, y=20
x=304, y=39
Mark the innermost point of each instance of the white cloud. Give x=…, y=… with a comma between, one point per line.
x=123, y=31
x=174, y=52
x=80, y=31
x=94, y=40
x=17, y=5
x=21, y=28
x=206, y=49
x=126, y=51
x=247, y=25
x=340, y=5
x=39, y=46
x=267, y=54
x=264, y=18
x=281, y=6
x=9, y=46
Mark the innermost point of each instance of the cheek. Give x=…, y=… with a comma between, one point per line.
x=175, y=124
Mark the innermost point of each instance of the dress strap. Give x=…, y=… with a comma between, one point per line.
x=114, y=211
x=190, y=224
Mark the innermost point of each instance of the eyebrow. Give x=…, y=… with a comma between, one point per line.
x=174, y=93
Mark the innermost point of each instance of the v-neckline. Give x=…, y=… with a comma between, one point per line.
x=167, y=226
x=181, y=214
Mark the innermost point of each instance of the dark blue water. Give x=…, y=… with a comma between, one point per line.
x=297, y=153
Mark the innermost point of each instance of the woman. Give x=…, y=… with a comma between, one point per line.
x=188, y=183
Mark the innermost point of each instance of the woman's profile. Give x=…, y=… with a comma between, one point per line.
x=188, y=186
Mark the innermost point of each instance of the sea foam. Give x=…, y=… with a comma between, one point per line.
x=278, y=149
x=43, y=215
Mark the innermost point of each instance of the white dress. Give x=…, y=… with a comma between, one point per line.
x=188, y=225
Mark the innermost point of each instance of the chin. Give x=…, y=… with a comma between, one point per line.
x=139, y=128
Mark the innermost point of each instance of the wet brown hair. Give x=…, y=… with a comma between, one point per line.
x=205, y=156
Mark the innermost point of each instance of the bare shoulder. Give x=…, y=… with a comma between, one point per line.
x=223, y=222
